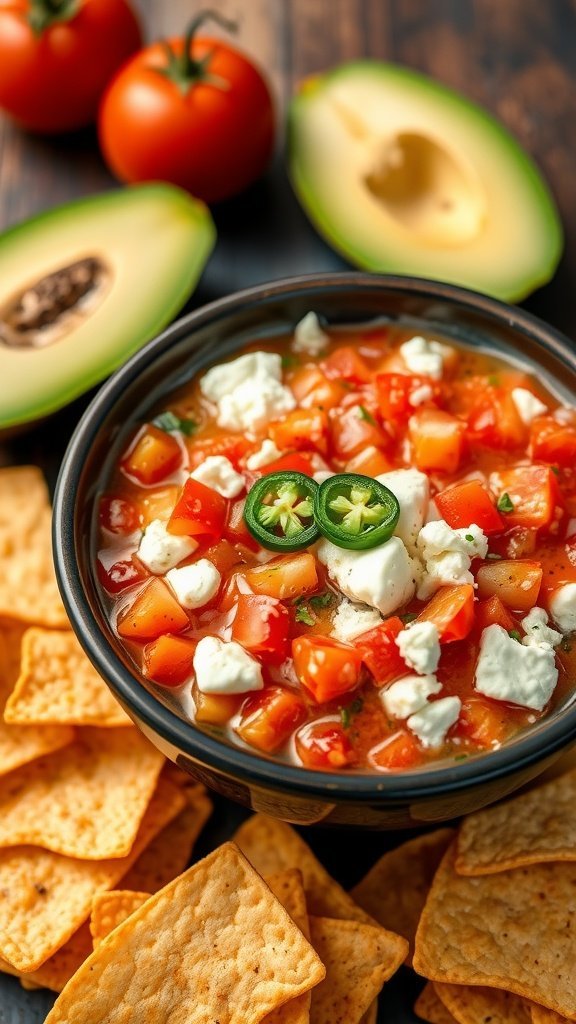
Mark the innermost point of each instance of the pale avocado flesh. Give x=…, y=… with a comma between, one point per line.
x=402, y=175
x=145, y=247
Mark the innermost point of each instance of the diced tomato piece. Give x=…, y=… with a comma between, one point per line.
x=153, y=455
x=437, y=440
x=380, y=653
x=284, y=577
x=199, y=512
x=355, y=430
x=533, y=491
x=493, y=418
x=154, y=612
x=231, y=446
x=400, y=751
x=553, y=442
x=225, y=556
x=345, y=364
x=215, y=708
x=492, y=612
x=327, y=668
x=269, y=718
x=324, y=745
x=301, y=429
x=261, y=625
x=292, y=462
x=311, y=387
x=119, y=575
x=236, y=530
x=394, y=391
x=118, y=515
x=158, y=504
x=452, y=612
x=168, y=660
x=371, y=462
x=467, y=503
x=516, y=583
x=482, y=722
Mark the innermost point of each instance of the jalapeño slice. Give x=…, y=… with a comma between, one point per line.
x=355, y=511
x=279, y=511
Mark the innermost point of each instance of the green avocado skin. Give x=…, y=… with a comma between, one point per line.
x=322, y=216
x=158, y=237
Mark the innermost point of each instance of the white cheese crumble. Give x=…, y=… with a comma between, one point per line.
x=408, y=695
x=160, y=550
x=267, y=453
x=563, y=607
x=420, y=395
x=350, y=620
x=196, y=584
x=447, y=554
x=248, y=391
x=433, y=721
x=538, y=632
x=383, y=577
x=225, y=667
x=419, y=645
x=322, y=474
x=218, y=473
x=509, y=671
x=412, y=489
x=528, y=406
x=424, y=357
x=309, y=336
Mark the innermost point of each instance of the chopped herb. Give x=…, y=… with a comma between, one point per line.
x=322, y=600
x=566, y=645
x=494, y=380
x=345, y=718
x=461, y=757
x=505, y=503
x=514, y=635
x=408, y=617
x=303, y=614
x=555, y=470
x=347, y=713
x=365, y=415
x=356, y=705
x=288, y=361
x=169, y=422
x=469, y=537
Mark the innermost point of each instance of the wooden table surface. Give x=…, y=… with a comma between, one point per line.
x=514, y=56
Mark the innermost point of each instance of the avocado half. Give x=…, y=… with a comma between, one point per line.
x=400, y=174
x=85, y=285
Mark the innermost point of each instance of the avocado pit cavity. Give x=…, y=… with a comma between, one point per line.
x=54, y=305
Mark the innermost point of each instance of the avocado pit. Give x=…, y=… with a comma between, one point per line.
x=55, y=304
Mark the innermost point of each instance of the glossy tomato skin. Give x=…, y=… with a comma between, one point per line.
x=52, y=81
x=212, y=138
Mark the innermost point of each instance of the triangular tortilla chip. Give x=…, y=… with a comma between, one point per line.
x=109, y=909
x=478, y=1005
x=60, y=967
x=430, y=1007
x=356, y=959
x=540, y=1015
x=214, y=945
x=288, y=888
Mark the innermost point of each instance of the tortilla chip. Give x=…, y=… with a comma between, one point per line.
x=479, y=1005
x=58, y=685
x=394, y=890
x=538, y=826
x=84, y=801
x=272, y=846
x=540, y=1015
x=214, y=945
x=46, y=897
x=109, y=909
x=512, y=931
x=58, y=969
x=170, y=853
x=355, y=956
x=430, y=1007
x=288, y=889
x=28, y=589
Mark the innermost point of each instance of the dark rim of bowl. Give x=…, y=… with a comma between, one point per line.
x=550, y=736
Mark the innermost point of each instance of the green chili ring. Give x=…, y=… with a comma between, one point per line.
x=279, y=511
x=355, y=512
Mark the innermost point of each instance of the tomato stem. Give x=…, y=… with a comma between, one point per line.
x=44, y=13
x=185, y=70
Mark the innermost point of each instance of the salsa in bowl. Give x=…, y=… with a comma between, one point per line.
x=337, y=549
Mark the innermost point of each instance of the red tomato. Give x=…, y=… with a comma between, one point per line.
x=400, y=751
x=370, y=462
x=437, y=440
x=261, y=625
x=236, y=530
x=553, y=442
x=324, y=745
x=345, y=364
x=468, y=503
x=229, y=445
x=269, y=718
x=154, y=612
x=199, y=512
x=301, y=429
x=493, y=418
x=287, y=576
x=311, y=387
x=492, y=612
x=168, y=660
x=192, y=111
x=120, y=575
x=118, y=515
x=452, y=612
x=516, y=583
x=533, y=491
x=380, y=653
x=154, y=454
x=52, y=76
x=326, y=667
x=355, y=430
x=394, y=391
x=483, y=722
x=294, y=461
